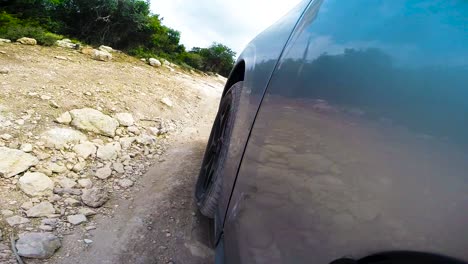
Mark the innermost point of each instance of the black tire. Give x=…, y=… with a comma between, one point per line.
x=210, y=180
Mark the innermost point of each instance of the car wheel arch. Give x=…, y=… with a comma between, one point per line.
x=237, y=75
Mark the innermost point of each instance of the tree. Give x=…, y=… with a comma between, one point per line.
x=127, y=25
x=217, y=58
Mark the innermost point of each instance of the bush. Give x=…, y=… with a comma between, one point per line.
x=142, y=52
x=14, y=28
x=48, y=39
x=16, y=32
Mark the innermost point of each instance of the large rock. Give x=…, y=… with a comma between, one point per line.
x=13, y=161
x=125, y=119
x=85, y=149
x=106, y=48
x=94, y=197
x=41, y=209
x=65, y=43
x=2, y=40
x=36, y=184
x=59, y=137
x=92, y=120
x=37, y=245
x=27, y=41
x=154, y=62
x=101, y=55
x=109, y=151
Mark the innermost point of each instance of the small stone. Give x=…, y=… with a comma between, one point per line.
x=67, y=191
x=85, y=183
x=64, y=118
x=72, y=202
x=66, y=183
x=54, y=104
x=40, y=210
x=94, y=197
x=16, y=220
x=46, y=97
x=87, y=241
x=86, y=211
x=36, y=184
x=37, y=245
x=61, y=58
x=125, y=183
x=4, y=71
x=154, y=131
x=126, y=142
x=20, y=122
x=109, y=151
x=146, y=139
x=76, y=219
x=90, y=227
x=6, y=137
x=78, y=167
x=103, y=173
x=125, y=119
x=26, y=147
x=134, y=130
x=167, y=102
x=85, y=149
x=118, y=167
x=27, y=205
x=56, y=168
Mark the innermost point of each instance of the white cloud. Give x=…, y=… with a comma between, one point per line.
x=231, y=22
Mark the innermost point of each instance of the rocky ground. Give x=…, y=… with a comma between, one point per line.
x=77, y=138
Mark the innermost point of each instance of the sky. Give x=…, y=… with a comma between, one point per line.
x=230, y=22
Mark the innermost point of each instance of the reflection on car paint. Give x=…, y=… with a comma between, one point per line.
x=360, y=142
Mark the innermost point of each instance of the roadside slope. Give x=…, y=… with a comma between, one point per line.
x=172, y=112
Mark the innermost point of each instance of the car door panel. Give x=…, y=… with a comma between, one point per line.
x=260, y=58
x=360, y=143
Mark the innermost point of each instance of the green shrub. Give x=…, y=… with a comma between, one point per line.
x=142, y=52
x=48, y=39
x=14, y=28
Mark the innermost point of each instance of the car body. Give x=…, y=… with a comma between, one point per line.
x=350, y=137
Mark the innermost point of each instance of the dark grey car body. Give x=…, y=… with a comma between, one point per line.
x=351, y=136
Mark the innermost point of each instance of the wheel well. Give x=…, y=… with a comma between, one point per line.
x=237, y=75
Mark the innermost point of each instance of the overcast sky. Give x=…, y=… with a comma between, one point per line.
x=231, y=22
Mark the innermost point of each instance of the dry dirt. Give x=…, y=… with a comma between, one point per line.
x=155, y=221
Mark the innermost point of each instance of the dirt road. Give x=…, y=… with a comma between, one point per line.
x=161, y=223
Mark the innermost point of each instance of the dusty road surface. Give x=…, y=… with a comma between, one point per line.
x=160, y=224
x=116, y=147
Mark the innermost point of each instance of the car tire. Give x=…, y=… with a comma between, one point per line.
x=209, y=183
